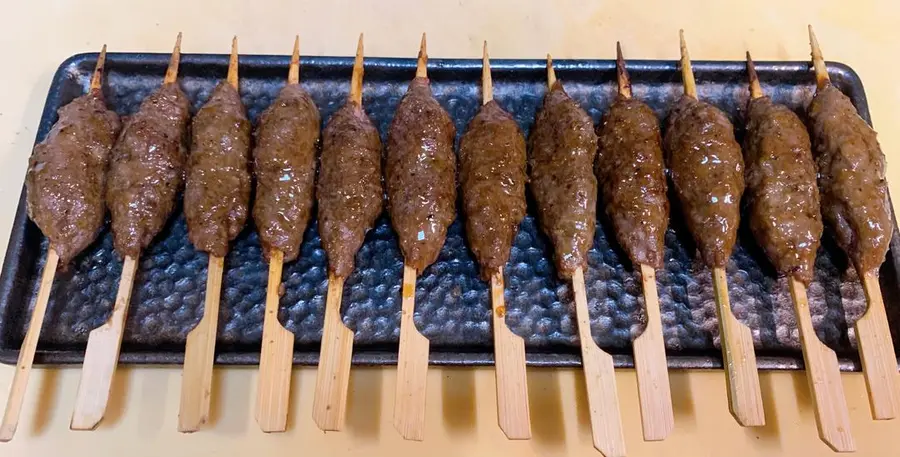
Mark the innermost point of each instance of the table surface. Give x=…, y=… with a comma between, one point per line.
x=35, y=36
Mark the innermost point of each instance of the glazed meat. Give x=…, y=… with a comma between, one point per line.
x=782, y=196
x=492, y=174
x=632, y=177
x=420, y=174
x=350, y=193
x=66, y=180
x=708, y=173
x=285, y=163
x=563, y=148
x=851, y=178
x=217, y=194
x=147, y=170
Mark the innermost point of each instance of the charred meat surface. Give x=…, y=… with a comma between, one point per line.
x=782, y=197
x=631, y=174
x=350, y=192
x=420, y=174
x=147, y=170
x=217, y=193
x=563, y=148
x=66, y=180
x=285, y=164
x=851, y=178
x=707, y=170
x=492, y=168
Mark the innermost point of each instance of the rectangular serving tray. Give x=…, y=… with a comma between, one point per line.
x=453, y=304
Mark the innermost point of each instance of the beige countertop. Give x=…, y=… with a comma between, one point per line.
x=36, y=36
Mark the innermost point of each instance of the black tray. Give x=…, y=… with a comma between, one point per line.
x=453, y=304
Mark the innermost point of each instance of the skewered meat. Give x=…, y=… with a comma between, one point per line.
x=217, y=194
x=285, y=165
x=420, y=174
x=630, y=170
x=350, y=193
x=66, y=180
x=708, y=173
x=782, y=196
x=563, y=148
x=851, y=178
x=492, y=174
x=147, y=169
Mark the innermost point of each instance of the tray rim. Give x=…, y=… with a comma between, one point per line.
x=10, y=269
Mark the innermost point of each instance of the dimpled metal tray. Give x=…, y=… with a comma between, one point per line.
x=453, y=304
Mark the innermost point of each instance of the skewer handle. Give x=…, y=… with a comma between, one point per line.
x=755, y=88
x=102, y=356
x=294, y=68
x=876, y=350
x=652, y=371
x=174, y=61
x=600, y=380
x=99, y=70
x=333, y=375
x=276, y=358
x=232, y=77
x=512, y=383
x=822, y=78
x=199, y=354
x=824, y=377
x=744, y=396
x=487, y=83
x=26, y=353
x=356, y=78
x=687, y=71
x=422, y=62
x=622, y=78
x=412, y=366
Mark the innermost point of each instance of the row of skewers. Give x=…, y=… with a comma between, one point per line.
x=89, y=162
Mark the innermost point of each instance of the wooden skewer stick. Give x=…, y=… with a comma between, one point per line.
x=276, y=357
x=654, y=392
x=687, y=72
x=200, y=347
x=26, y=353
x=102, y=354
x=600, y=380
x=412, y=358
x=822, y=78
x=294, y=69
x=876, y=350
x=509, y=349
x=822, y=370
x=29, y=344
x=873, y=336
x=824, y=378
x=333, y=375
x=744, y=396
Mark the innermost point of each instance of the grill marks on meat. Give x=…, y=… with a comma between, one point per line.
x=420, y=174
x=851, y=178
x=782, y=196
x=285, y=164
x=563, y=148
x=630, y=170
x=147, y=169
x=217, y=194
x=708, y=173
x=350, y=192
x=492, y=174
x=66, y=179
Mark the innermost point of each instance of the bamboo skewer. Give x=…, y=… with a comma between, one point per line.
x=333, y=375
x=599, y=372
x=654, y=392
x=32, y=335
x=29, y=346
x=276, y=358
x=509, y=349
x=277, y=353
x=200, y=347
x=824, y=378
x=742, y=378
x=873, y=336
x=822, y=370
x=412, y=358
x=102, y=353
